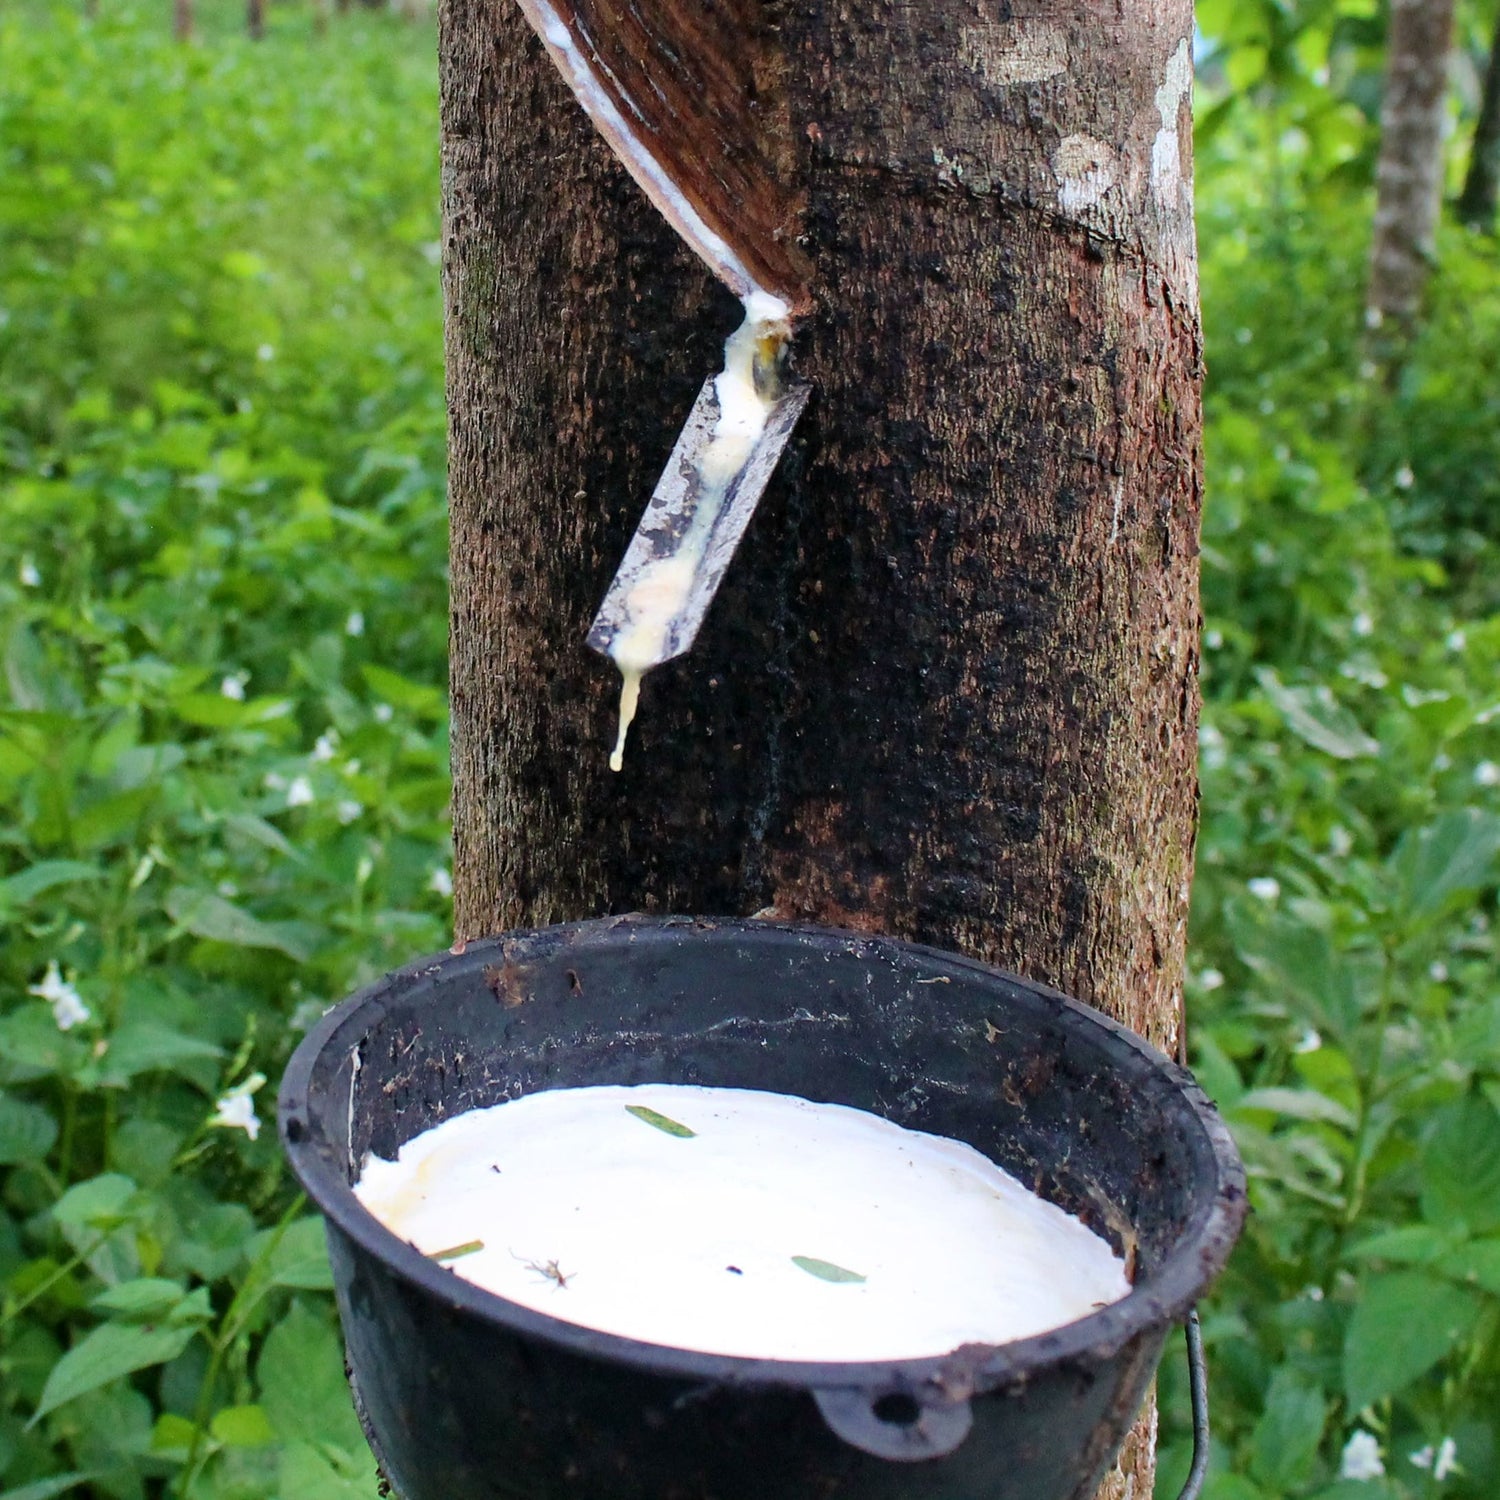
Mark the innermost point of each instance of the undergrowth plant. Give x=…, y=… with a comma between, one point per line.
x=223, y=758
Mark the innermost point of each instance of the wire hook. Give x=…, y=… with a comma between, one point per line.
x=1198, y=1388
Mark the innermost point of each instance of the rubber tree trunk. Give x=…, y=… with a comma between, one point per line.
x=1409, y=173
x=949, y=690
x=1481, y=193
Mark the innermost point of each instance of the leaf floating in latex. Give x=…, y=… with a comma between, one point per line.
x=660, y=1121
x=457, y=1252
x=825, y=1270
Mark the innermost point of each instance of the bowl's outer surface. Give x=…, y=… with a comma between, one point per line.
x=469, y=1397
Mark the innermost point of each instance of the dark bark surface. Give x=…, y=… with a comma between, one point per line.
x=1481, y=193
x=1409, y=173
x=949, y=690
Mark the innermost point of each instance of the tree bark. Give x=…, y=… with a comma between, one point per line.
x=255, y=19
x=949, y=690
x=1409, y=173
x=182, y=20
x=1480, y=198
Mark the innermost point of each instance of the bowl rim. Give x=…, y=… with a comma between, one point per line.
x=1163, y=1295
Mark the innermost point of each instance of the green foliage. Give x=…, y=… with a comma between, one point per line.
x=223, y=757
x=223, y=765
x=1347, y=1010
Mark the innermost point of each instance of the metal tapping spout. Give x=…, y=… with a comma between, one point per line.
x=671, y=86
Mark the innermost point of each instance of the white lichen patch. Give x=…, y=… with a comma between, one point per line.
x=1010, y=52
x=1167, y=179
x=1086, y=170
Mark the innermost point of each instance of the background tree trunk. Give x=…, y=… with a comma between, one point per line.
x=1481, y=195
x=255, y=19
x=949, y=690
x=1409, y=175
x=182, y=20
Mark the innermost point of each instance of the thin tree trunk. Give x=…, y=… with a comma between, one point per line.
x=949, y=690
x=1481, y=195
x=1409, y=175
x=182, y=20
x=255, y=19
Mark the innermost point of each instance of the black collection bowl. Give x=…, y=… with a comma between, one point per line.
x=467, y=1396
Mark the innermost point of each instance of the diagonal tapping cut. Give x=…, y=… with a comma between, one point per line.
x=673, y=88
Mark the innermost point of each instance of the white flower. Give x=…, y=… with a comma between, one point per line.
x=326, y=746
x=1264, y=887
x=348, y=810
x=299, y=793
x=1362, y=624
x=1313, y=1293
x=364, y=869
x=68, y=1009
x=236, y=1110
x=265, y=353
x=1487, y=773
x=273, y=781
x=29, y=575
x=1447, y=1459
x=1437, y=971
x=1405, y=478
x=1442, y=1461
x=441, y=882
x=1340, y=841
x=1456, y=640
x=1213, y=639
x=1309, y=1041
x=1361, y=1458
x=384, y=713
x=233, y=686
x=355, y=624
x=1211, y=979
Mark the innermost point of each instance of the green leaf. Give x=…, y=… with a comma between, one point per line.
x=300, y=1259
x=1315, y=716
x=242, y=1427
x=825, y=1270
x=1476, y=1264
x=302, y=1387
x=210, y=916
x=46, y=875
x=1455, y=855
x=660, y=1121
x=1284, y=1446
x=416, y=698
x=457, y=1252
x=214, y=711
x=27, y=1132
x=1411, y=1244
x=1404, y=1323
x=1297, y=1104
x=49, y=1489
x=1461, y=1167
x=98, y=1203
x=148, y=1047
x=147, y=1299
x=307, y=1473
x=109, y=1352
